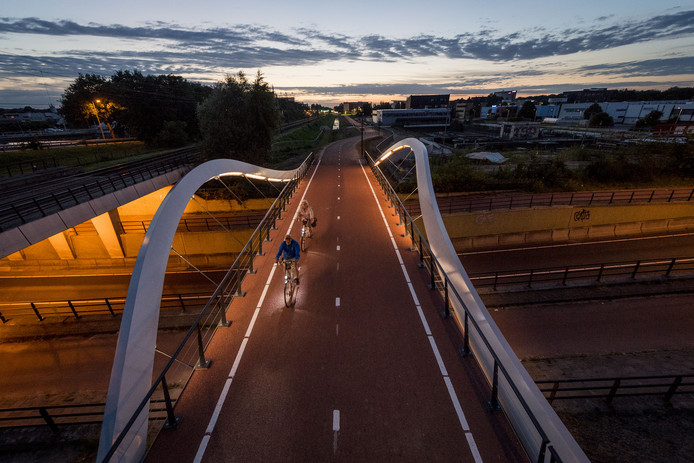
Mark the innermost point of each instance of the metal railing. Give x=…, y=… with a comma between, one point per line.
x=190, y=353
x=57, y=416
x=78, y=308
x=195, y=224
x=591, y=273
x=517, y=200
x=465, y=322
x=94, y=185
x=610, y=388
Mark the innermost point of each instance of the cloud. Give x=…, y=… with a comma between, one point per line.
x=162, y=48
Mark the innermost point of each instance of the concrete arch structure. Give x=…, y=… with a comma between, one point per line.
x=442, y=248
x=131, y=374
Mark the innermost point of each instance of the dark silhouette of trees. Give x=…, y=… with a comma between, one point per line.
x=527, y=111
x=238, y=120
x=142, y=105
x=592, y=110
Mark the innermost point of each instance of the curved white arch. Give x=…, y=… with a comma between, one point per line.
x=131, y=374
x=442, y=248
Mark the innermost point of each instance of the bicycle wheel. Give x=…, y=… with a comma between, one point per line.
x=289, y=293
x=303, y=241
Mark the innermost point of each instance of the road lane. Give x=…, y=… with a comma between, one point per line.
x=354, y=347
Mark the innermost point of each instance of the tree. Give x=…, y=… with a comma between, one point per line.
x=141, y=104
x=649, y=120
x=78, y=100
x=238, y=119
x=592, y=110
x=601, y=119
x=527, y=111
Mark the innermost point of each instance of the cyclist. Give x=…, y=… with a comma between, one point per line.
x=306, y=216
x=290, y=249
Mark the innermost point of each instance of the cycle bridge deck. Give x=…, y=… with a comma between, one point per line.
x=363, y=368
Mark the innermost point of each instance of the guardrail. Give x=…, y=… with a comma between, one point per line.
x=460, y=204
x=598, y=273
x=195, y=224
x=465, y=322
x=78, y=308
x=190, y=354
x=95, y=185
x=610, y=388
x=57, y=416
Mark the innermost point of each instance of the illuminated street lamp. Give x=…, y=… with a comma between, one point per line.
x=97, y=119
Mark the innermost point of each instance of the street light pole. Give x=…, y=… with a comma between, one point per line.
x=362, y=134
x=97, y=119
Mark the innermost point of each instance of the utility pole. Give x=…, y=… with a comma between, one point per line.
x=362, y=133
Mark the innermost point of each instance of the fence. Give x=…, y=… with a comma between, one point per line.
x=58, y=416
x=84, y=307
x=610, y=388
x=505, y=201
x=95, y=185
x=593, y=273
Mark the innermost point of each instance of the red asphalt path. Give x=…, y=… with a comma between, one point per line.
x=363, y=368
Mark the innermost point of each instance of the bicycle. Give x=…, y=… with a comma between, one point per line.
x=306, y=233
x=289, y=282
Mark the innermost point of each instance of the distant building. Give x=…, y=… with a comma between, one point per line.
x=352, y=106
x=506, y=95
x=427, y=101
x=413, y=118
x=587, y=95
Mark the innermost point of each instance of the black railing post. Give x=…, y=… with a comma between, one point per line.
x=110, y=309
x=446, y=302
x=636, y=269
x=202, y=362
x=613, y=391
x=466, y=336
x=36, y=311
x=602, y=268
x=421, y=253
x=553, y=394
x=180, y=300
x=543, y=448
x=171, y=419
x=223, y=322
x=49, y=420
x=494, y=402
x=651, y=198
x=672, y=389
x=251, y=257
x=74, y=312
x=432, y=285
x=672, y=264
x=566, y=274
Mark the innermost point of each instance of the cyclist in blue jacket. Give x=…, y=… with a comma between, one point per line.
x=290, y=249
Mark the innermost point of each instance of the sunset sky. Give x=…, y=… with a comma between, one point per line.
x=330, y=52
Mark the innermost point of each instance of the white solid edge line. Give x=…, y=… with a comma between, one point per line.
x=449, y=385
